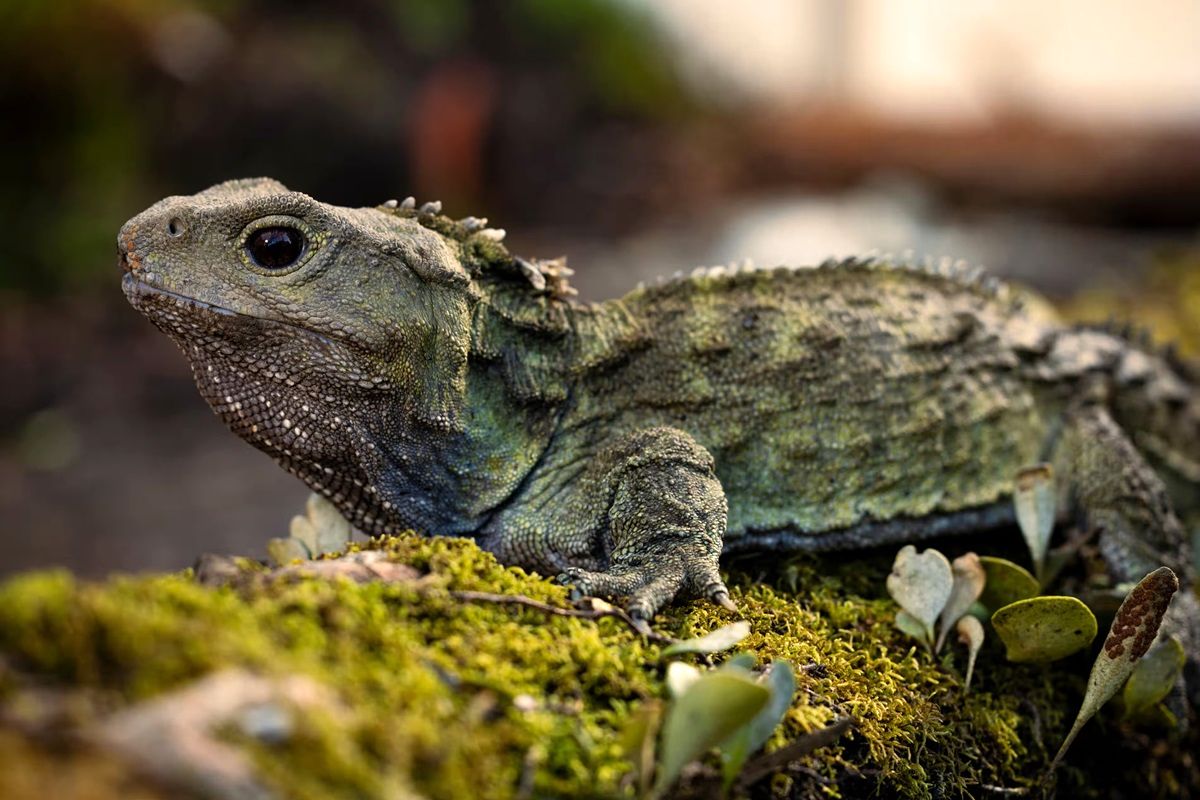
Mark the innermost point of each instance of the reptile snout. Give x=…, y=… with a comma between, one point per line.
x=139, y=240
x=162, y=228
x=128, y=260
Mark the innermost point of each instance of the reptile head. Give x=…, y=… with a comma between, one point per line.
x=297, y=315
x=253, y=248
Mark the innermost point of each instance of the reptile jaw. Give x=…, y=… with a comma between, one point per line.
x=138, y=291
x=161, y=307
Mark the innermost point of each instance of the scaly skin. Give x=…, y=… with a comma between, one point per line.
x=410, y=369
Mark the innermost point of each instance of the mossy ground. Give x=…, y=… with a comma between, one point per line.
x=428, y=683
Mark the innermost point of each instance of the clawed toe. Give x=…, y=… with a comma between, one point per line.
x=710, y=585
x=640, y=623
x=647, y=591
x=721, y=598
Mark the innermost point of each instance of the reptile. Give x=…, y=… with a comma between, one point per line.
x=417, y=374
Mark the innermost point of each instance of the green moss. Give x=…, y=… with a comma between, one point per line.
x=428, y=683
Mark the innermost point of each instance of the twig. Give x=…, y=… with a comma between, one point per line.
x=1018, y=791
x=637, y=626
x=373, y=565
x=810, y=772
x=769, y=763
x=528, y=771
x=1035, y=722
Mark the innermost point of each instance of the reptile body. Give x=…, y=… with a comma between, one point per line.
x=413, y=371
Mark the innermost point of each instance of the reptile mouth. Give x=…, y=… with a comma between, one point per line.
x=138, y=291
x=155, y=302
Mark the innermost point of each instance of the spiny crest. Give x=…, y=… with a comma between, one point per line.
x=1143, y=339
x=716, y=271
x=969, y=276
x=484, y=253
x=972, y=278
x=521, y=326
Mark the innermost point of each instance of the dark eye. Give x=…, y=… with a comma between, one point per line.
x=275, y=248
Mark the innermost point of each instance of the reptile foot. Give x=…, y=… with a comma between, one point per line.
x=646, y=590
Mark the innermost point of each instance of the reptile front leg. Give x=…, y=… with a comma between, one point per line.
x=1125, y=500
x=659, y=516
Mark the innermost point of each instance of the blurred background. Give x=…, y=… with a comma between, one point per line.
x=1056, y=143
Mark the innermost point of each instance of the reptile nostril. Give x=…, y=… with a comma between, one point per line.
x=175, y=227
x=128, y=262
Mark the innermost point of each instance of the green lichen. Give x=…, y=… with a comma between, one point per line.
x=428, y=682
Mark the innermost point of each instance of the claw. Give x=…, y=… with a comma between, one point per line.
x=721, y=598
x=639, y=623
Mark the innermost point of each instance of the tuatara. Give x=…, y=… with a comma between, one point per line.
x=413, y=371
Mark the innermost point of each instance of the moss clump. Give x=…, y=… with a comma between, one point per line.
x=432, y=687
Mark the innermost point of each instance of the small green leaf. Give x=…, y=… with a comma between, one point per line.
x=1159, y=716
x=1057, y=560
x=1044, y=629
x=722, y=638
x=969, y=578
x=680, y=677
x=742, y=661
x=908, y=624
x=1006, y=583
x=1132, y=632
x=791, y=577
x=708, y=712
x=970, y=633
x=332, y=529
x=286, y=550
x=980, y=612
x=301, y=529
x=638, y=739
x=1035, y=502
x=749, y=738
x=921, y=584
x=1154, y=676
x=781, y=682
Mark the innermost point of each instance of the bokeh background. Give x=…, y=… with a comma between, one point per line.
x=1056, y=143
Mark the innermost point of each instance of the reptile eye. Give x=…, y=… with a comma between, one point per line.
x=275, y=248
